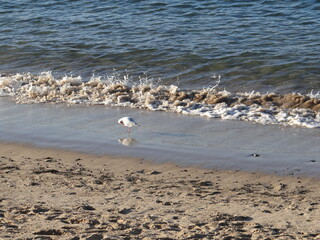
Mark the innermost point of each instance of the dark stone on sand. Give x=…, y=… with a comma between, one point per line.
x=125, y=211
x=34, y=184
x=155, y=173
x=266, y=211
x=88, y=207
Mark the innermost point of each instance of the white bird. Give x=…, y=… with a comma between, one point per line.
x=128, y=122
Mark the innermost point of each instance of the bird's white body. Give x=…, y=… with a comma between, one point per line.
x=128, y=122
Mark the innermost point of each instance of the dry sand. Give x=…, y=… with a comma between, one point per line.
x=54, y=194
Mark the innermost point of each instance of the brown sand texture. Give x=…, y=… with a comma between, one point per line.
x=54, y=194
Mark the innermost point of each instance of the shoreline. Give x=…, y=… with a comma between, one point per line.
x=273, y=109
x=58, y=194
x=185, y=140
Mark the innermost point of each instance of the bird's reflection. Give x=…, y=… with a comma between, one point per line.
x=127, y=141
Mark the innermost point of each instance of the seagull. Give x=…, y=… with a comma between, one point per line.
x=128, y=122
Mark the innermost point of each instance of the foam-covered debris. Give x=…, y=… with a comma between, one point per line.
x=288, y=109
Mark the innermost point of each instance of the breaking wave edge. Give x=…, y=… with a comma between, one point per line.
x=271, y=108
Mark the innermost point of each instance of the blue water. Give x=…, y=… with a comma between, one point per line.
x=260, y=45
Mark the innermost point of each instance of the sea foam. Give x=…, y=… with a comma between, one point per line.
x=288, y=110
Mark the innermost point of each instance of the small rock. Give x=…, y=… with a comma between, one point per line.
x=125, y=211
x=34, y=184
x=266, y=211
x=255, y=155
x=88, y=207
x=154, y=173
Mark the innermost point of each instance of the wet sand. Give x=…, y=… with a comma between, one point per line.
x=56, y=194
x=184, y=140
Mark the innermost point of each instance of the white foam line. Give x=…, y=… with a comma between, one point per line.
x=116, y=91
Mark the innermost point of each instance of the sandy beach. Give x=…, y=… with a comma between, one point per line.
x=54, y=194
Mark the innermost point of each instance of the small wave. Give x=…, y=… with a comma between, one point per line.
x=289, y=109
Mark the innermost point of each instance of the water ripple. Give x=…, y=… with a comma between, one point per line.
x=262, y=45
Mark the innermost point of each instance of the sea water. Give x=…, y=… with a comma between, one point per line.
x=264, y=45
